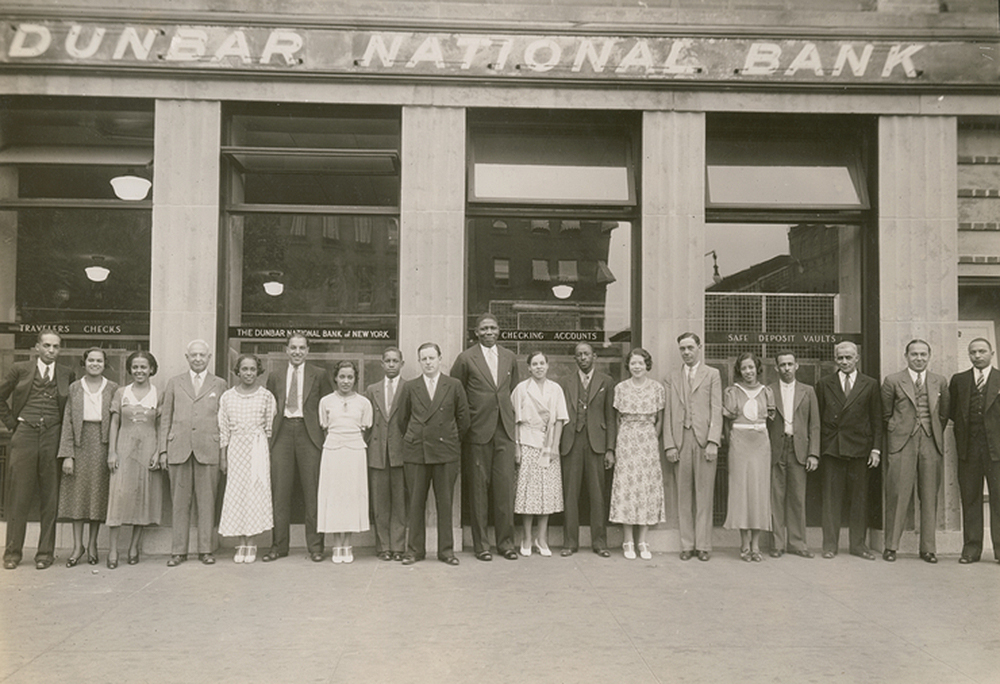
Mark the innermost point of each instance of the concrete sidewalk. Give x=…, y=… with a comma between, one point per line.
x=579, y=619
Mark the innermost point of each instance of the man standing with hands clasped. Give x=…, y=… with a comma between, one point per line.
x=386, y=482
x=915, y=407
x=850, y=410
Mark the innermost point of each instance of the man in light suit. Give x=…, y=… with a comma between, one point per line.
x=794, y=434
x=692, y=428
x=386, y=483
x=588, y=448
x=915, y=407
x=432, y=417
x=189, y=450
x=296, y=444
x=37, y=390
x=976, y=412
x=850, y=411
x=488, y=373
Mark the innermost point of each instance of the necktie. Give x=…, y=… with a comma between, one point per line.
x=920, y=381
x=980, y=381
x=197, y=383
x=292, y=404
x=47, y=375
x=433, y=387
x=586, y=382
x=847, y=385
x=491, y=361
x=390, y=393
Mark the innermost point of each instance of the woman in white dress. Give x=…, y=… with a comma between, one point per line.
x=246, y=413
x=342, y=500
x=540, y=414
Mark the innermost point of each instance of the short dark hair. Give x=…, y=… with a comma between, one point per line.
x=83, y=359
x=142, y=354
x=785, y=352
x=588, y=345
x=397, y=350
x=641, y=353
x=47, y=331
x=243, y=357
x=295, y=335
x=982, y=339
x=917, y=341
x=537, y=352
x=427, y=345
x=487, y=316
x=345, y=363
x=694, y=336
x=743, y=357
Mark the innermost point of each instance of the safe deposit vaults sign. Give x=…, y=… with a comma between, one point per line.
x=500, y=56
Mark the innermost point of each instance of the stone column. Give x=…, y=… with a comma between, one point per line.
x=185, y=253
x=918, y=259
x=672, y=249
x=432, y=236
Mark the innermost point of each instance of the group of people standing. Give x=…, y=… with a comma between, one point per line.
x=526, y=448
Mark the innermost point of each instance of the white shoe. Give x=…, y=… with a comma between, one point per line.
x=644, y=551
x=251, y=554
x=240, y=554
x=628, y=548
x=544, y=551
x=525, y=551
x=336, y=555
x=348, y=554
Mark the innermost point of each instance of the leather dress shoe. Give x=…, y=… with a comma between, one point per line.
x=484, y=556
x=829, y=554
x=449, y=560
x=889, y=555
x=272, y=555
x=409, y=559
x=567, y=552
x=804, y=553
x=965, y=560
x=704, y=555
x=206, y=558
x=385, y=556
x=603, y=553
x=10, y=564
x=866, y=554
x=316, y=556
x=397, y=556
x=43, y=564
x=686, y=555
x=928, y=557
x=175, y=561
x=510, y=554
x=776, y=553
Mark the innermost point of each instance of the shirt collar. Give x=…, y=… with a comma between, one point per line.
x=914, y=374
x=196, y=376
x=985, y=372
x=586, y=376
x=787, y=385
x=691, y=370
x=42, y=366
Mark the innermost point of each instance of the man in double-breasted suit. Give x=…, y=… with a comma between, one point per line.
x=850, y=411
x=692, y=428
x=37, y=391
x=588, y=448
x=976, y=411
x=488, y=373
x=794, y=435
x=915, y=408
x=296, y=444
x=189, y=449
x=386, y=483
x=433, y=415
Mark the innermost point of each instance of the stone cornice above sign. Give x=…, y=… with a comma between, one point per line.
x=506, y=57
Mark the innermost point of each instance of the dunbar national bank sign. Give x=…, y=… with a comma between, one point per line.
x=493, y=55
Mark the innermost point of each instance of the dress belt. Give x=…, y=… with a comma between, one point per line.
x=756, y=427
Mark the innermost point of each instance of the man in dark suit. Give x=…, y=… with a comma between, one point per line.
x=794, y=434
x=37, y=390
x=189, y=450
x=850, y=409
x=587, y=448
x=488, y=372
x=386, y=483
x=915, y=408
x=296, y=444
x=432, y=417
x=976, y=412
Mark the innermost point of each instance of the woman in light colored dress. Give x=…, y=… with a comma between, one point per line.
x=83, y=450
x=342, y=501
x=136, y=481
x=746, y=406
x=246, y=413
x=540, y=412
x=637, y=488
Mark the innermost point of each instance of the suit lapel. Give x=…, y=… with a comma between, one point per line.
x=439, y=392
x=308, y=379
x=699, y=375
x=595, y=386
x=908, y=388
x=992, y=388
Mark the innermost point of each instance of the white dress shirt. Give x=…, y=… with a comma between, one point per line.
x=297, y=413
x=787, y=403
x=431, y=384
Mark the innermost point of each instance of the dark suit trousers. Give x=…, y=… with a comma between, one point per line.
x=490, y=466
x=192, y=480
x=387, y=487
x=840, y=474
x=419, y=478
x=33, y=464
x=583, y=463
x=788, y=500
x=918, y=463
x=293, y=450
x=971, y=472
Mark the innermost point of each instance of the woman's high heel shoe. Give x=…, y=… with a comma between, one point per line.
x=73, y=560
x=133, y=560
x=112, y=564
x=628, y=548
x=745, y=555
x=92, y=559
x=644, y=551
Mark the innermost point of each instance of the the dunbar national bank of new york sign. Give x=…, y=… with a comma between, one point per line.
x=502, y=56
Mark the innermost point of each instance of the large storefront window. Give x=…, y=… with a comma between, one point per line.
x=552, y=215
x=312, y=221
